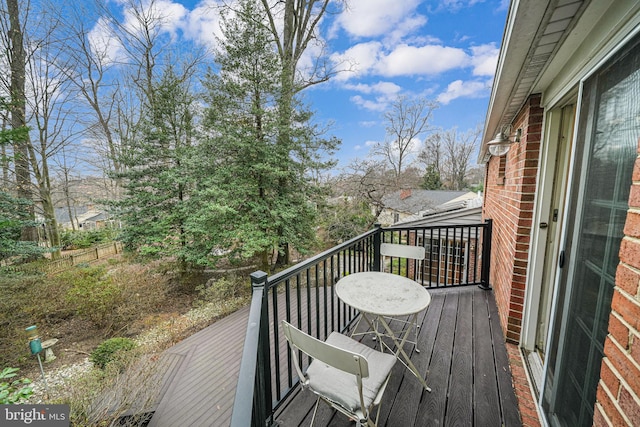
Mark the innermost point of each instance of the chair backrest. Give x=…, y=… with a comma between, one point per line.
x=402, y=251
x=344, y=360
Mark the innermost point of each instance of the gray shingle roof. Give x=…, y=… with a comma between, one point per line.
x=414, y=201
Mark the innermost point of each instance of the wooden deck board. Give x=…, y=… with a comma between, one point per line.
x=433, y=405
x=485, y=390
x=509, y=404
x=460, y=403
x=462, y=356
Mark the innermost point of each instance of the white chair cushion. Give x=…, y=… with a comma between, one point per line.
x=342, y=387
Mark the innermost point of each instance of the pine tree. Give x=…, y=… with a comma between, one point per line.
x=256, y=194
x=156, y=180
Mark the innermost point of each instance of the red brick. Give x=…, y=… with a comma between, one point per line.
x=609, y=408
x=619, y=332
x=599, y=419
x=623, y=364
x=636, y=170
x=609, y=378
x=629, y=406
x=634, y=196
x=627, y=279
x=630, y=253
x=629, y=309
x=635, y=349
x=632, y=224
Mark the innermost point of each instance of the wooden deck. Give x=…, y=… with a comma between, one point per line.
x=462, y=354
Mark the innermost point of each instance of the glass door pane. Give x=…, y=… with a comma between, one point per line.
x=606, y=144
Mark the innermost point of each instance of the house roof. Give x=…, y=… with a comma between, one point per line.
x=538, y=39
x=81, y=214
x=455, y=212
x=412, y=201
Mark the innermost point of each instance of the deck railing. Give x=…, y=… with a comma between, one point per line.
x=303, y=295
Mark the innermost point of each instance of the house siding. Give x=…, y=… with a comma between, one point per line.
x=509, y=197
x=618, y=401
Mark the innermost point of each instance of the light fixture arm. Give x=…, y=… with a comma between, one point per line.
x=499, y=146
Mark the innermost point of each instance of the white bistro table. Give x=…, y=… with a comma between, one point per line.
x=379, y=296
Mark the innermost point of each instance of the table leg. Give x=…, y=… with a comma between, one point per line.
x=400, y=350
x=373, y=326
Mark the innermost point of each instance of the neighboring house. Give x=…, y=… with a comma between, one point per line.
x=84, y=218
x=565, y=205
x=449, y=254
x=405, y=204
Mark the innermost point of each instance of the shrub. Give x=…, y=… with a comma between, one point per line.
x=86, y=239
x=223, y=289
x=109, y=349
x=15, y=391
x=92, y=294
x=116, y=397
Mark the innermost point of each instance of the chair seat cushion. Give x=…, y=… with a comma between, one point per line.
x=342, y=387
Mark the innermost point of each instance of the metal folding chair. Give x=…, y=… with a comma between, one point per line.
x=347, y=375
x=396, y=250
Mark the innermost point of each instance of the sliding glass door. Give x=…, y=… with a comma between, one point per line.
x=606, y=149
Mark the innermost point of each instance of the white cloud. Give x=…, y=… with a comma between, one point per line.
x=386, y=88
x=358, y=59
x=407, y=60
x=170, y=15
x=484, y=59
x=383, y=92
x=203, y=23
x=459, y=89
x=379, y=104
x=104, y=44
x=371, y=18
x=370, y=59
x=455, y=5
x=198, y=25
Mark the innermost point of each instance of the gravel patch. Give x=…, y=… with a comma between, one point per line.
x=57, y=381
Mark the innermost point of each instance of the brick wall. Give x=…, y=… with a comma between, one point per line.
x=510, y=186
x=618, y=395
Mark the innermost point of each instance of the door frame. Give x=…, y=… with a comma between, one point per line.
x=543, y=205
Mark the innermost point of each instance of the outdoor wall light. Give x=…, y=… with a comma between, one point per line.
x=499, y=146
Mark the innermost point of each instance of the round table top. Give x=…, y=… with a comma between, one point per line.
x=382, y=293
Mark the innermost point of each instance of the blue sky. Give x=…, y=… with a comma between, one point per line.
x=444, y=50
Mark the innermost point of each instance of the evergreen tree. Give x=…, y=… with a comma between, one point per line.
x=15, y=213
x=431, y=179
x=156, y=181
x=255, y=194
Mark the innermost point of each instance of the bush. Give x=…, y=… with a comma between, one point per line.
x=224, y=288
x=92, y=294
x=15, y=391
x=86, y=239
x=108, y=350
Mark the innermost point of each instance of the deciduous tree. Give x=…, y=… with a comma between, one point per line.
x=406, y=120
x=17, y=59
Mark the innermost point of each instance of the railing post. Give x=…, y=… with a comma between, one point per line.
x=377, y=241
x=254, y=381
x=486, y=254
x=263, y=374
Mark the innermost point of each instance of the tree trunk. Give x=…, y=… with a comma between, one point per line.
x=17, y=58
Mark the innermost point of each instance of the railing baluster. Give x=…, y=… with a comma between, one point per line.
x=276, y=340
x=287, y=291
x=457, y=255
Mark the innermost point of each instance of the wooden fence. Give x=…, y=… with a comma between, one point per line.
x=67, y=261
